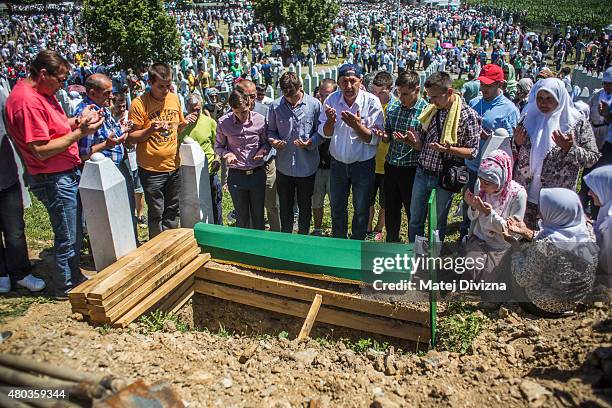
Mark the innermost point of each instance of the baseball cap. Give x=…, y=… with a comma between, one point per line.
x=490, y=74
x=349, y=70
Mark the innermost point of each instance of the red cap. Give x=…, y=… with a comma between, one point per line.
x=491, y=73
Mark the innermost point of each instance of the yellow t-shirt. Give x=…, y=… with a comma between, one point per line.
x=381, y=152
x=160, y=151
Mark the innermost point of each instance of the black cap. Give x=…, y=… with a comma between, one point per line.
x=349, y=70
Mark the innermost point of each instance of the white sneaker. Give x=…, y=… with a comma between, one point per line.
x=32, y=283
x=5, y=284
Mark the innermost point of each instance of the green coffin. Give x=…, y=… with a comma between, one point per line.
x=316, y=257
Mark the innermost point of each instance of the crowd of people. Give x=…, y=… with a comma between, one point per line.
x=386, y=147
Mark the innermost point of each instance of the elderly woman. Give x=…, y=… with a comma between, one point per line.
x=557, y=270
x=599, y=182
x=523, y=87
x=497, y=198
x=552, y=143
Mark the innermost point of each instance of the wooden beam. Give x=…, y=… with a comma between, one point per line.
x=310, y=318
x=178, y=298
x=133, y=299
x=157, y=243
x=174, y=260
x=168, y=302
x=352, y=320
x=307, y=293
x=145, y=259
x=163, y=290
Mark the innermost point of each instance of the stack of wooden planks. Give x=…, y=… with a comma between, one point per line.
x=157, y=275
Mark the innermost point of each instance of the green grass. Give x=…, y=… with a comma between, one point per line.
x=459, y=326
x=154, y=321
x=39, y=234
x=13, y=307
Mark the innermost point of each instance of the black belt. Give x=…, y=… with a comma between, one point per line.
x=44, y=176
x=248, y=172
x=429, y=172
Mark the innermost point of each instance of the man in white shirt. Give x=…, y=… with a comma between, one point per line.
x=352, y=120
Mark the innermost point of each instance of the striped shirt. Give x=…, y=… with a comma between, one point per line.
x=401, y=119
x=109, y=127
x=468, y=135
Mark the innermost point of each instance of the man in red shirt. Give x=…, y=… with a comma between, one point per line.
x=46, y=139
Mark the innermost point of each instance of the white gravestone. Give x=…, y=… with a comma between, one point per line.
x=298, y=70
x=270, y=92
x=307, y=84
x=315, y=80
x=500, y=140
x=311, y=68
x=107, y=212
x=195, y=200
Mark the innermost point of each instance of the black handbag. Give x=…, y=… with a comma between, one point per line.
x=454, y=175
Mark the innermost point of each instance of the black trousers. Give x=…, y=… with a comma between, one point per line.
x=287, y=187
x=161, y=191
x=248, y=191
x=398, y=191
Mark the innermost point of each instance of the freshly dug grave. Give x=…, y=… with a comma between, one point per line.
x=515, y=361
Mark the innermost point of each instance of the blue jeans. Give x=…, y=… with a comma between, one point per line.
x=14, y=259
x=58, y=193
x=359, y=176
x=423, y=185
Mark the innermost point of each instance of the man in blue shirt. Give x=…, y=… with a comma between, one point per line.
x=293, y=120
x=496, y=111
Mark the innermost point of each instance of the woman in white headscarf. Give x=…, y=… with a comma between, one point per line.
x=557, y=269
x=599, y=182
x=552, y=143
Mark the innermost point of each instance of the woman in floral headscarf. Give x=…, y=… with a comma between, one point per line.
x=497, y=197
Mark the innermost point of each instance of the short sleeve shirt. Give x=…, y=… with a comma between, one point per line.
x=159, y=153
x=32, y=117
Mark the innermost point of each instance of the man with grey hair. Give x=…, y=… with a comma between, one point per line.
x=108, y=139
x=204, y=131
x=271, y=203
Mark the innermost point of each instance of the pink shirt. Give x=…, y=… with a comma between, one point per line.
x=245, y=140
x=32, y=116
